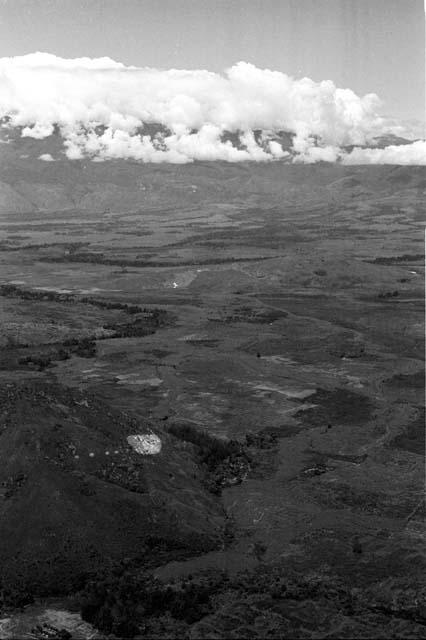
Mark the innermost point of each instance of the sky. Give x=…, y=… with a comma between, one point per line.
x=367, y=45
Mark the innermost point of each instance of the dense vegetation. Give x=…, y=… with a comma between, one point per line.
x=226, y=461
x=211, y=451
x=125, y=603
x=406, y=257
x=14, y=291
x=99, y=258
x=272, y=601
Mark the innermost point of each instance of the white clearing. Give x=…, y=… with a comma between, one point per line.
x=147, y=444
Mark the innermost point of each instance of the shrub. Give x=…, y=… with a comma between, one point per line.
x=211, y=451
x=121, y=604
x=14, y=597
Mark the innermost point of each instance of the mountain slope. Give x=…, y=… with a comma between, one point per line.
x=76, y=496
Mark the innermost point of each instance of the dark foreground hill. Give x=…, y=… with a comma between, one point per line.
x=76, y=497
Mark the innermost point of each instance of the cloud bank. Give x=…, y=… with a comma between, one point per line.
x=105, y=110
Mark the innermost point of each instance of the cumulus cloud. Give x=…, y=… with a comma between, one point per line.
x=414, y=153
x=107, y=110
x=46, y=157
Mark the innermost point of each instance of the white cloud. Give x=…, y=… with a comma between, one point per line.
x=101, y=107
x=46, y=157
x=414, y=153
x=39, y=130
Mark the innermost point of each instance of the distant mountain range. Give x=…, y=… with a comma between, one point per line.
x=155, y=131
x=28, y=183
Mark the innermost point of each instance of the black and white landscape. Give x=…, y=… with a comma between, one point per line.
x=211, y=356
